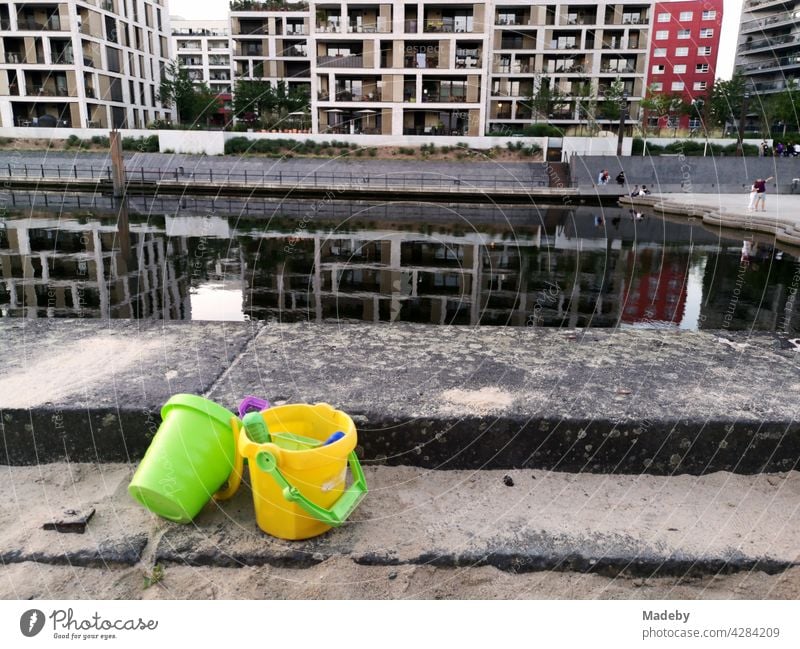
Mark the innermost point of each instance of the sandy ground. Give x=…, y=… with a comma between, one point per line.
x=341, y=579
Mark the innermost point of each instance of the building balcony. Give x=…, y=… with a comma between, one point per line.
x=257, y=5
x=348, y=96
x=621, y=69
x=787, y=40
x=771, y=86
x=779, y=20
x=250, y=50
x=352, y=61
x=39, y=22
x=772, y=64
x=63, y=58
x=757, y=5
x=294, y=52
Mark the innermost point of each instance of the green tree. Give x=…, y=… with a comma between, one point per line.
x=195, y=102
x=613, y=96
x=785, y=107
x=543, y=98
x=252, y=98
x=726, y=101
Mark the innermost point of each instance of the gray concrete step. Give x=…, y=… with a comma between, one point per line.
x=608, y=524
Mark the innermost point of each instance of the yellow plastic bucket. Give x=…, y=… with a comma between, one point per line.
x=298, y=483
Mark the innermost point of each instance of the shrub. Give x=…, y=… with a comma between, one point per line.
x=237, y=145
x=373, y=152
x=72, y=141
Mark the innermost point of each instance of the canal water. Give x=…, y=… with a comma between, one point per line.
x=389, y=262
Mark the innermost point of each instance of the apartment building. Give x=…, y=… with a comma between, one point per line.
x=204, y=48
x=578, y=50
x=768, y=52
x=683, y=55
x=447, y=67
x=271, y=44
x=82, y=63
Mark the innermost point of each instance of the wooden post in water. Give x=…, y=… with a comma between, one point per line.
x=118, y=177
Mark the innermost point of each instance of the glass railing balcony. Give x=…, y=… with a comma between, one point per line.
x=752, y=5
x=350, y=61
x=771, y=43
x=329, y=27
x=786, y=17
x=783, y=62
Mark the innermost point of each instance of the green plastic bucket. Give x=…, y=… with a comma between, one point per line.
x=189, y=459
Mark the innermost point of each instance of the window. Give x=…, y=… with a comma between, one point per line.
x=660, y=51
x=662, y=35
x=704, y=51
x=709, y=14
x=701, y=67
x=679, y=69
x=658, y=69
x=684, y=33
x=681, y=51
x=657, y=86
x=707, y=32
x=663, y=18
x=699, y=85
x=686, y=16
x=677, y=85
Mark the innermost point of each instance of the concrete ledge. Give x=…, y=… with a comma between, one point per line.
x=629, y=401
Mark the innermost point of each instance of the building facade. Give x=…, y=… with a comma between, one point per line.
x=768, y=52
x=82, y=64
x=683, y=56
x=204, y=48
x=450, y=67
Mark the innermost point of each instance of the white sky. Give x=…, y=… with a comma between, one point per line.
x=218, y=10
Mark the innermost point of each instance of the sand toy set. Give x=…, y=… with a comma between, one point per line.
x=297, y=456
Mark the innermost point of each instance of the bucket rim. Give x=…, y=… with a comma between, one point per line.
x=201, y=404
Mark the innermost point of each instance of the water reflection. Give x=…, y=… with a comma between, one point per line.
x=570, y=268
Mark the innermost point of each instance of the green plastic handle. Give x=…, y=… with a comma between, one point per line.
x=341, y=509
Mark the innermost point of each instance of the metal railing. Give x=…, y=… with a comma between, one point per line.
x=285, y=180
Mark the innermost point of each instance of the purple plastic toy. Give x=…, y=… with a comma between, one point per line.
x=251, y=403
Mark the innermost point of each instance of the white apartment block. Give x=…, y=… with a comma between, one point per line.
x=447, y=67
x=203, y=47
x=82, y=63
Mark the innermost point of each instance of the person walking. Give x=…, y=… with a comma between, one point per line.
x=761, y=193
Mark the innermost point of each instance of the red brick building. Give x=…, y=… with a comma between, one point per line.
x=684, y=46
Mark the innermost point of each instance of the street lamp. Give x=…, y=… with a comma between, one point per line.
x=740, y=143
x=623, y=114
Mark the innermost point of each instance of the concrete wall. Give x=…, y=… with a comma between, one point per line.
x=192, y=142
x=23, y=133
x=594, y=146
x=679, y=174
x=393, y=140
